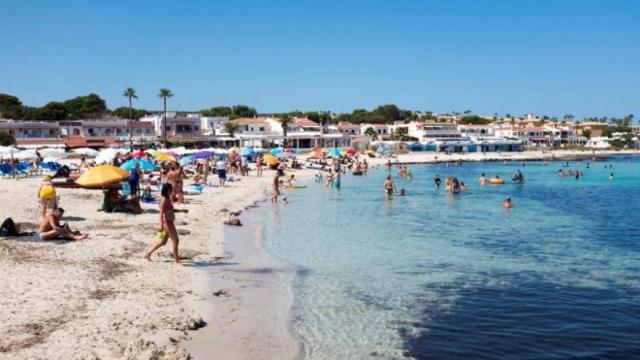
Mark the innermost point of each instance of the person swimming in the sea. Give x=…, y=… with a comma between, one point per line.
x=437, y=181
x=507, y=204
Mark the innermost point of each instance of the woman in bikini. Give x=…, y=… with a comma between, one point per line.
x=167, y=225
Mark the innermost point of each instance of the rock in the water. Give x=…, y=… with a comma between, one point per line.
x=234, y=222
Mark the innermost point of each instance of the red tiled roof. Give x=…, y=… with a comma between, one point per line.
x=250, y=121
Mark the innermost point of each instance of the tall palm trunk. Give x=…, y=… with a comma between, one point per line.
x=130, y=124
x=285, y=140
x=164, y=124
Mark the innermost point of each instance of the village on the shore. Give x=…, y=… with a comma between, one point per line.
x=420, y=131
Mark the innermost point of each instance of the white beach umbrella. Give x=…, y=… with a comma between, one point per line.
x=8, y=151
x=86, y=152
x=49, y=159
x=29, y=154
x=52, y=152
x=179, y=150
x=106, y=156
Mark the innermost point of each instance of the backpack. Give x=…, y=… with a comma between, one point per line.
x=8, y=228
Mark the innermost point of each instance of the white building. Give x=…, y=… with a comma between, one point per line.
x=211, y=125
x=187, y=126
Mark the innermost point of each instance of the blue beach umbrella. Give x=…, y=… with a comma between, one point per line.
x=247, y=152
x=334, y=152
x=144, y=164
x=276, y=151
x=187, y=160
x=382, y=149
x=203, y=154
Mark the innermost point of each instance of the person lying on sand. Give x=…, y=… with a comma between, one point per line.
x=50, y=228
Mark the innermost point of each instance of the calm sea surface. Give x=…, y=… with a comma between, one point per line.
x=431, y=276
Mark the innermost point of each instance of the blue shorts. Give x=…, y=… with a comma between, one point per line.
x=222, y=174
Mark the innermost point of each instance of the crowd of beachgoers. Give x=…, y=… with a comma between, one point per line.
x=116, y=207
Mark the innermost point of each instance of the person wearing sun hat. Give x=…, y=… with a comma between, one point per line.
x=47, y=195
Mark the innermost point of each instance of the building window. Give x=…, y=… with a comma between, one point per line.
x=262, y=129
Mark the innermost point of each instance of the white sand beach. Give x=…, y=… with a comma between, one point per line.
x=99, y=298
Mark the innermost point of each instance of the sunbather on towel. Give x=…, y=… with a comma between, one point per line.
x=50, y=228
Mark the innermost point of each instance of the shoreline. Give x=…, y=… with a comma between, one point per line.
x=249, y=299
x=422, y=157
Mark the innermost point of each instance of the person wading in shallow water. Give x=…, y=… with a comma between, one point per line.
x=388, y=187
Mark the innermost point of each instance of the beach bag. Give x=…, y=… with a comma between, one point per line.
x=8, y=228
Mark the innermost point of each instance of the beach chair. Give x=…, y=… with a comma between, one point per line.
x=125, y=188
x=5, y=170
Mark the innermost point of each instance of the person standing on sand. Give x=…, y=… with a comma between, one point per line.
x=365, y=166
x=134, y=179
x=47, y=196
x=167, y=225
x=205, y=170
x=259, y=166
x=388, y=187
x=389, y=166
x=221, y=169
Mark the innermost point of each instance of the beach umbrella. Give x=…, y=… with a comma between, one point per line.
x=179, y=150
x=382, y=149
x=289, y=150
x=350, y=151
x=29, y=154
x=276, y=151
x=8, y=150
x=270, y=159
x=139, y=154
x=165, y=157
x=154, y=153
x=187, y=160
x=50, y=159
x=143, y=164
x=247, y=151
x=334, y=152
x=203, y=154
x=86, y=152
x=106, y=156
x=101, y=176
x=51, y=152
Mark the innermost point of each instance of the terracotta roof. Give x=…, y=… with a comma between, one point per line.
x=250, y=121
x=305, y=122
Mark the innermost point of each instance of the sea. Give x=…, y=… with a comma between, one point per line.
x=436, y=276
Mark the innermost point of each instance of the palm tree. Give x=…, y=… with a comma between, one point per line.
x=370, y=132
x=164, y=94
x=285, y=120
x=231, y=128
x=131, y=94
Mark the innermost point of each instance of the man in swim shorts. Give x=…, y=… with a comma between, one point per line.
x=388, y=186
x=50, y=228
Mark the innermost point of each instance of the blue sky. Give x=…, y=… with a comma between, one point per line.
x=507, y=56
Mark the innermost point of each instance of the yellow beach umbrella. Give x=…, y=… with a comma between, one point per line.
x=101, y=176
x=165, y=157
x=270, y=159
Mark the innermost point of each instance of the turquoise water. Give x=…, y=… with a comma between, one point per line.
x=435, y=276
